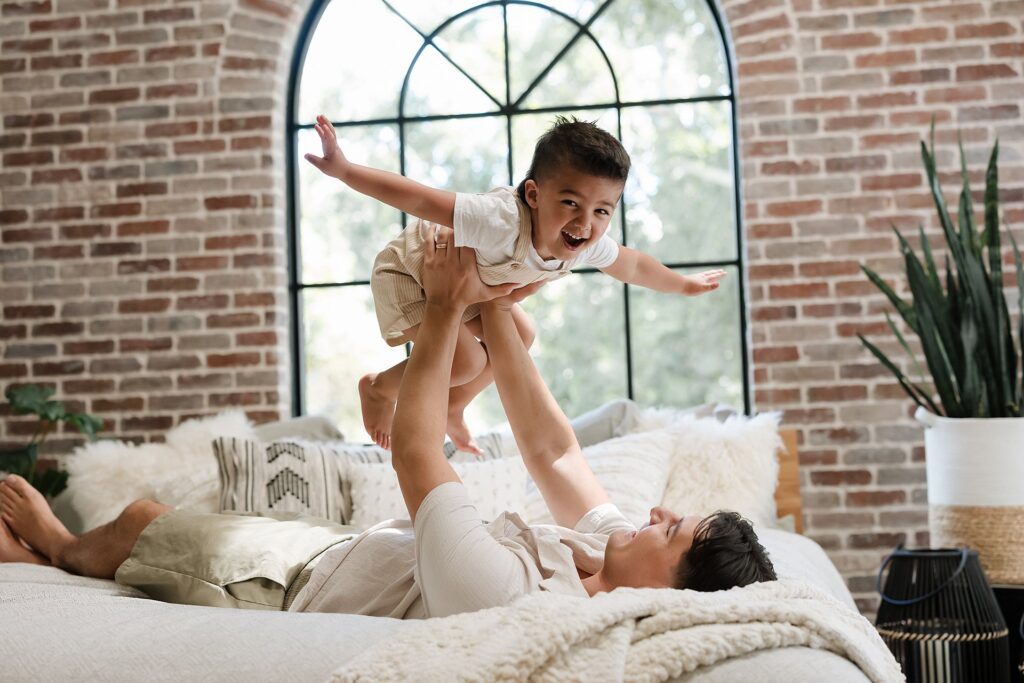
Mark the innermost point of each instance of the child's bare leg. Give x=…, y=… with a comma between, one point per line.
x=461, y=396
x=378, y=392
x=97, y=554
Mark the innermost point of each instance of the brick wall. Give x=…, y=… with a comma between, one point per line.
x=142, y=259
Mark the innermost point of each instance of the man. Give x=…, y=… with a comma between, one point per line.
x=446, y=560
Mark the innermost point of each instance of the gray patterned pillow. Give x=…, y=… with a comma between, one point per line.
x=280, y=477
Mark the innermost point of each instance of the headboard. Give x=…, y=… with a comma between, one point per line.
x=787, y=491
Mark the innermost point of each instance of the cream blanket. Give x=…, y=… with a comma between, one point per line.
x=625, y=635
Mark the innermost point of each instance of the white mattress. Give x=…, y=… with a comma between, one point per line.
x=59, y=627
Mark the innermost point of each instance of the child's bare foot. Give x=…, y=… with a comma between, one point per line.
x=458, y=432
x=27, y=514
x=11, y=549
x=378, y=411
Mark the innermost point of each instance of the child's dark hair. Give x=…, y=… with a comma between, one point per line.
x=725, y=553
x=583, y=146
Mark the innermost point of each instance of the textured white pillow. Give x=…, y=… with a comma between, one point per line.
x=494, y=486
x=632, y=469
x=729, y=465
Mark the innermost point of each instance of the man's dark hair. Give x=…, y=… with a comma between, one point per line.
x=725, y=553
x=581, y=145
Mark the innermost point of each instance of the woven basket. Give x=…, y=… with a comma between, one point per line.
x=995, y=532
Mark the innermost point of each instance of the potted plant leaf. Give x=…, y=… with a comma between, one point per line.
x=974, y=431
x=31, y=399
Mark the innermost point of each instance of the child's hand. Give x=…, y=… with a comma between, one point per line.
x=333, y=162
x=701, y=283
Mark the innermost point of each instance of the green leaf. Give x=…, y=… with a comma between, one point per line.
x=905, y=310
x=905, y=345
x=86, y=424
x=917, y=394
x=28, y=399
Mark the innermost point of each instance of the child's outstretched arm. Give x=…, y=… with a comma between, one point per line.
x=637, y=268
x=428, y=203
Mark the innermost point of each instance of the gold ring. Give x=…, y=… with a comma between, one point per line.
x=441, y=245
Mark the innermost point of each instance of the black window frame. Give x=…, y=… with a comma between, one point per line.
x=292, y=128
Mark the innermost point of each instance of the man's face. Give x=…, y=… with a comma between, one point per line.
x=572, y=210
x=648, y=557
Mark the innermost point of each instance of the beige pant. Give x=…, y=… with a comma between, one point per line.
x=238, y=560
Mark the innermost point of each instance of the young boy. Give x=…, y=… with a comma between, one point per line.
x=555, y=220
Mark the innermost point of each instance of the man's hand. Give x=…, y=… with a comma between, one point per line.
x=333, y=162
x=701, y=283
x=450, y=276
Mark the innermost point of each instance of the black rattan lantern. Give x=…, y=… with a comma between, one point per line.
x=1020, y=666
x=940, y=618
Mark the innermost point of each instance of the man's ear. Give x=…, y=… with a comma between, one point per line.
x=531, y=191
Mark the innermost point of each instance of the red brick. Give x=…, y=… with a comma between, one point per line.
x=64, y=367
x=59, y=251
x=114, y=96
x=965, y=94
x=232, y=320
x=269, y=7
x=143, y=305
x=61, y=329
x=135, y=228
x=203, y=303
x=837, y=394
x=88, y=386
x=26, y=8
x=235, y=399
x=148, y=423
x=33, y=158
x=764, y=148
x=850, y=41
x=153, y=344
x=880, y=540
x=15, y=216
x=36, y=120
x=157, y=92
x=263, y=338
x=887, y=100
x=231, y=241
x=84, y=154
x=793, y=208
x=765, y=313
x=874, y=498
x=240, y=201
x=252, y=260
x=984, y=72
x=840, y=477
x=919, y=35
x=245, y=123
x=205, y=146
x=804, y=290
x=165, y=16
x=29, y=312
x=56, y=175
x=89, y=347
x=167, y=130
x=84, y=232
x=116, y=210
x=200, y=263
x=56, y=62
x=257, y=299
x=994, y=30
x=61, y=24
x=115, y=405
x=141, y=189
x=230, y=360
x=775, y=354
x=1003, y=50
x=162, y=54
x=172, y=284
x=28, y=45
x=13, y=370
x=154, y=265
x=13, y=331
x=885, y=59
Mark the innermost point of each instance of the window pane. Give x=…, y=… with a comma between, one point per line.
x=581, y=10
x=679, y=196
x=476, y=42
x=463, y=155
x=581, y=345
x=335, y=80
x=437, y=88
x=686, y=350
x=527, y=128
x=427, y=16
x=340, y=230
x=535, y=36
x=342, y=343
x=580, y=77
x=663, y=49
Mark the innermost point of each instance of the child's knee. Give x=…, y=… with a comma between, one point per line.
x=468, y=363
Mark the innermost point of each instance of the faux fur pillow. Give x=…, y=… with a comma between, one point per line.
x=728, y=465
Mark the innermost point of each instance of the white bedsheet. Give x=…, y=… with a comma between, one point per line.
x=58, y=627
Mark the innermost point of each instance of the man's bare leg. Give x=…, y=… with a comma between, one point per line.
x=461, y=396
x=97, y=554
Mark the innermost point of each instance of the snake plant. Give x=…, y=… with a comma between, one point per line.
x=961, y=317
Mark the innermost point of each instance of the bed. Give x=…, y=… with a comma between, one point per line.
x=60, y=627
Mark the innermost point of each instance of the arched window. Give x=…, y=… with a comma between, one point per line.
x=454, y=94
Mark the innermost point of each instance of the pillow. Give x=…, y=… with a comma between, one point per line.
x=280, y=477
x=494, y=486
x=305, y=427
x=729, y=465
x=632, y=469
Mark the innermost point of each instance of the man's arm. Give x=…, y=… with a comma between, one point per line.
x=637, y=268
x=428, y=203
x=451, y=282
x=542, y=431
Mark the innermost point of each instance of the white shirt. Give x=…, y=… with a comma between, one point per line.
x=453, y=562
x=489, y=222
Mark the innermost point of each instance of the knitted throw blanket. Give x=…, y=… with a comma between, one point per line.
x=626, y=635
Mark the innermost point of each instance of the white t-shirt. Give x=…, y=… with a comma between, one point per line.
x=453, y=562
x=489, y=222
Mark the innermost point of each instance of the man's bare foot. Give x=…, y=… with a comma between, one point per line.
x=378, y=411
x=11, y=549
x=458, y=432
x=28, y=515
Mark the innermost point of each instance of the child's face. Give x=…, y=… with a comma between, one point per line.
x=572, y=210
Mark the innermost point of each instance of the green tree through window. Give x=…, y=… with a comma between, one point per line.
x=455, y=94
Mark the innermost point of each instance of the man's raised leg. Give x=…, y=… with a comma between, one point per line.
x=97, y=554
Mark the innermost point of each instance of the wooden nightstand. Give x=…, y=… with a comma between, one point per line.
x=1011, y=603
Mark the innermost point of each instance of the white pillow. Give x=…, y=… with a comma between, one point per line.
x=494, y=486
x=730, y=465
x=632, y=469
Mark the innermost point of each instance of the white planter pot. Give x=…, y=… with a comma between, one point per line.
x=975, y=473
